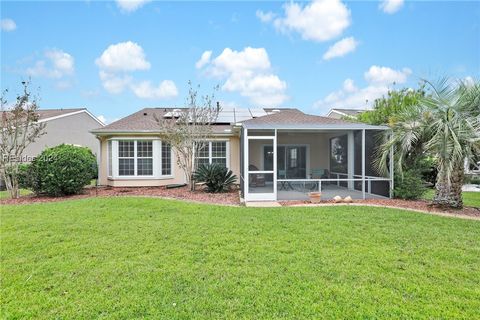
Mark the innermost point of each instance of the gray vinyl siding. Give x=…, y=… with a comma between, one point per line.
x=72, y=129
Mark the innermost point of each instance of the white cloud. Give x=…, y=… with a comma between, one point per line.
x=102, y=119
x=341, y=48
x=391, y=6
x=106, y=120
x=265, y=16
x=468, y=81
x=204, y=59
x=130, y=5
x=8, y=25
x=145, y=90
x=321, y=20
x=114, y=83
x=379, y=80
x=385, y=75
x=349, y=86
x=123, y=56
x=249, y=73
x=55, y=64
x=117, y=63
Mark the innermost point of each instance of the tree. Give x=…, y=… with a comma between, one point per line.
x=19, y=128
x=188, y=129
x=386, y=109
x=444, y=124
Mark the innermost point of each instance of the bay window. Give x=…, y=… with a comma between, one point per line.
x=166, y=159
x=137, y=159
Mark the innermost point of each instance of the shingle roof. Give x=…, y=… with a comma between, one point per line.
x=295, y=119
x=145, y=120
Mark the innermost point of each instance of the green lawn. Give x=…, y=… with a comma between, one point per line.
x=471, y=199
x=123, y=258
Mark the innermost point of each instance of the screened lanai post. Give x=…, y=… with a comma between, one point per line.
x=275, y=165
x=246, y=174
x=350, y=159
x=392, y=162
x=363, y=164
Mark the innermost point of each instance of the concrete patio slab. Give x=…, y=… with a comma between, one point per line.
x=262, y=204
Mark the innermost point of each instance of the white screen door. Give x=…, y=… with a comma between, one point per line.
x=262, y=179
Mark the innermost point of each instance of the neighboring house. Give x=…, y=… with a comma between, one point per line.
x=337, y=113
x=277, y=154
x=69, y=126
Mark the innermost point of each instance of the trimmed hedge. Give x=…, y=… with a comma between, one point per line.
x=62, y=170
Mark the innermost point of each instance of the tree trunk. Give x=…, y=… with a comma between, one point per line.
x=450, y=195
x=12, y=186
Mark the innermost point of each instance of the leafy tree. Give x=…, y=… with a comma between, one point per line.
x=19, y=128
x=386, y=109
x=188, y=129
x=444, y=124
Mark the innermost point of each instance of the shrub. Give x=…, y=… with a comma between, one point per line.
x=472, y=179
x=62, y=170
x=215, y=177
x=410, y=186
x=24, y=176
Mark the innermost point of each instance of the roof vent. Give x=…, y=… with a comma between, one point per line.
x=275, y=111
x=144, y=113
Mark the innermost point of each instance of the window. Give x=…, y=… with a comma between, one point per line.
x=203, y=154
x=212, y=152
x=126, y=158
x=110, y=169
x=144, y=158
x=166, y=159
x=219, y=152
x=293, y=158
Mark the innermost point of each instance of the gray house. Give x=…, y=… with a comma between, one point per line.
x=338, y=113
x=70, y=126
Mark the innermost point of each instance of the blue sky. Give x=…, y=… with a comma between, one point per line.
x=117, y=57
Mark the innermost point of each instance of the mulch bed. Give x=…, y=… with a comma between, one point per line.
x=183, y=193
x=421, y=205
x=231, y=198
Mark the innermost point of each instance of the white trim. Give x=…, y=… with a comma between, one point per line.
x=275, y=165
x=261, y=137
x=317, y=128
x=363, y=163
x=72, y=114
x=156, y=161
x=392, y=168
x=335, y=111
x=271, y=196
x=210, y=157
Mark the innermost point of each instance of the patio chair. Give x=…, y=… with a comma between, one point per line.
x=320, y=173
x=256, y=179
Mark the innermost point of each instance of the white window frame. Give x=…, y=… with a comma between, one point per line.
x=157, y=160
x=137, y=158
x=210, y=157
x=134, y=159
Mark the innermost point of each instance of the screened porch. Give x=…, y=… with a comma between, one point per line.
x=288, y=163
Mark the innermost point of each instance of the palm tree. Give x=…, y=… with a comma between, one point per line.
x=445, y=125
